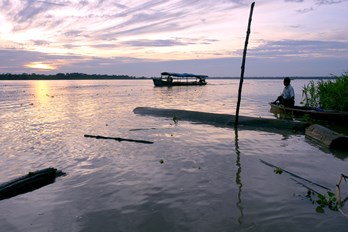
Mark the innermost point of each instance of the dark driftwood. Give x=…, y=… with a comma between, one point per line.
x=327, y=137
x=118, y=139
x=29, y=182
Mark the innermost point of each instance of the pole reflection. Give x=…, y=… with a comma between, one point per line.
x=238, y=177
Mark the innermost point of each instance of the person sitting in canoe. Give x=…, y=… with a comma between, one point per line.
x=287, y=98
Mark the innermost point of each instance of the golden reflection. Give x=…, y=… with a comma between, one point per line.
x=41, y=92
x=56, y=101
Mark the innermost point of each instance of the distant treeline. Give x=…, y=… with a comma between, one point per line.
x=83, y=76
x=63, y=76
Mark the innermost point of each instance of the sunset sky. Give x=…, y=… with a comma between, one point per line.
x=144, y=38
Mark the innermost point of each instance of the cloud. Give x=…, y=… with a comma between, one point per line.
x=329, y=2
x=222, y=67
x=52, y=3
x=306, y=10
x=30, y=10
x=168, y=42
x=70, y=24
x=314, y=4
x=154, y=43
x=300, y=48
x=19, y=61
x=41, y=42
x=72, y=34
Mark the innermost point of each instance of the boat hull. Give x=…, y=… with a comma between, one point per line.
x=300, y=111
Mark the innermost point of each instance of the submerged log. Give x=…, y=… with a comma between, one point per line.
x=226, y=120
x=29, y=182
x=327, y=137
x=323, y=135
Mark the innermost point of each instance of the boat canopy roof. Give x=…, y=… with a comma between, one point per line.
x=183, y=75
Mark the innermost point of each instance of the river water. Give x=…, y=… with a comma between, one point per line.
x=194, y=177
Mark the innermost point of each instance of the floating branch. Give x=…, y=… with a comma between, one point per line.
x=118, y=139
x=332, y=201
x=139, y=129
x=29, y=182
x=307, y=187
x=294, y=175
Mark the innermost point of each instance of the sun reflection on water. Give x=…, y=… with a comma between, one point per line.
x=41, y=92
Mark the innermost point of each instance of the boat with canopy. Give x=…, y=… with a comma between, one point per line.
x=179, y=79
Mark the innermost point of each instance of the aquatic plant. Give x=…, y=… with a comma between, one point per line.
x=327, y=94
x=310, y=95
x=323, y=201
x=307, y=118
x=175, y=120
x=278, y=170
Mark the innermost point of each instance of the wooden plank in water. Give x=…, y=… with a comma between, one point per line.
x=29, y=182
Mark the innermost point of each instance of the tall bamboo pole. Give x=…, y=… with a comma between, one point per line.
x=243, y=64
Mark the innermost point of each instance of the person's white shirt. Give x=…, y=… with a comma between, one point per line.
x=288, y=92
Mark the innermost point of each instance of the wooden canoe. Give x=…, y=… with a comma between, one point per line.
x=317, y=114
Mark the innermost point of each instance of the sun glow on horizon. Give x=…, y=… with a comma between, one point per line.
x=40, y=65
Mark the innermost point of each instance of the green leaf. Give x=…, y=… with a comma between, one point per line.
x=331, y=194
x=321, y=197
x=319, y=209
x=278, y=170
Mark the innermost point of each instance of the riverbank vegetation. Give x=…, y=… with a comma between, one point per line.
x=327, y=94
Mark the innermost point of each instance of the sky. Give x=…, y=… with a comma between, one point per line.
x=145, y=38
